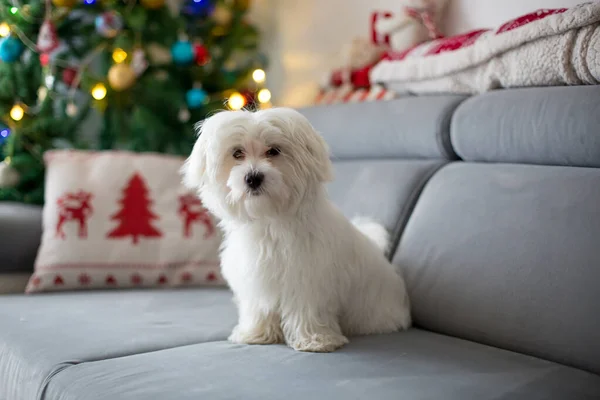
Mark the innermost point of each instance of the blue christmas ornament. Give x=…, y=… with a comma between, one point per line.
x=198, y=8
x=183, y=52
x=196, y=97
x=11, y=49
x=4, y=133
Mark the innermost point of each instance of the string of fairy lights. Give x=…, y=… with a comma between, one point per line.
x=234, y=100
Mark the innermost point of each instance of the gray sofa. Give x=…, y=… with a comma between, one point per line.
x=494, y=206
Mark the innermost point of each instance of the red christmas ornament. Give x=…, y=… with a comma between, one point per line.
x=135, y=216
x=68, y=76
x=201, y=54
x=44, y=59
x=47, y=38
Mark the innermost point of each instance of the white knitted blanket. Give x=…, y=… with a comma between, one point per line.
x=543, y=48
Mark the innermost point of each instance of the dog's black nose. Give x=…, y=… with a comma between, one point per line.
x=254, y=179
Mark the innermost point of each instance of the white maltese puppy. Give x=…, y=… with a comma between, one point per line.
x=301, y=273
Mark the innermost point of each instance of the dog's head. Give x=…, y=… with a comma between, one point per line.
x=251, y=165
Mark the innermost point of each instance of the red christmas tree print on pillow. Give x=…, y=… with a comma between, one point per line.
x=135, y=216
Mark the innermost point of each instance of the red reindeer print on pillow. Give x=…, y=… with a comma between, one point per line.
x=74, y=207
x=191, y=211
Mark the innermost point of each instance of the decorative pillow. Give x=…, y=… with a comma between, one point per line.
x=122, y=220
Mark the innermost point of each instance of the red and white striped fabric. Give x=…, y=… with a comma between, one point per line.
x=122, y=220
x=546, y=47
x=347, y=94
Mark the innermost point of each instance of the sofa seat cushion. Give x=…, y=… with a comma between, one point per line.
x=42, y=334
x=409, y=365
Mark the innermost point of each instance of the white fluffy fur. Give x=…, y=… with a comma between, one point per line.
x=301, y=273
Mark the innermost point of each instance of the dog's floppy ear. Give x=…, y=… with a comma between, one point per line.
x=193, y=171
x=319, y=151
x=315, y=144
x=298, y=126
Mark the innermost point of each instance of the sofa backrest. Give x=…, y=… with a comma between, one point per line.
x=503, y=247
x=407, y=128
x=383, y=154
x=20, y=234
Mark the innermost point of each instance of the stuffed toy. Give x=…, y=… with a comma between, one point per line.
x=415, y=22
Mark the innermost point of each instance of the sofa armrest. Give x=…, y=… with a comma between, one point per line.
x=20, y=235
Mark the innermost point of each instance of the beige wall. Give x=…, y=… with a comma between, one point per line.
x=303, y=37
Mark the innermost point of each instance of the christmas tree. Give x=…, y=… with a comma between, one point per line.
x=146, y=72
x=135, y=215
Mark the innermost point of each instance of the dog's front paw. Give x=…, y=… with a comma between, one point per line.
x=267, y=335
x=319, y=343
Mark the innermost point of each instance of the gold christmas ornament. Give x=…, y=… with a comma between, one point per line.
x=121, y=77
x=159, y=54
x=222, y=15
x=152, y=4
x=64, y=3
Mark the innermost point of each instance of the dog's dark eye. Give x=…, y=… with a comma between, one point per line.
x=273, y=151
x=238, y=154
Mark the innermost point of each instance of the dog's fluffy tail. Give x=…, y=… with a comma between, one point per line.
x=374, y=231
